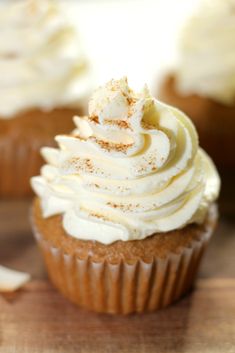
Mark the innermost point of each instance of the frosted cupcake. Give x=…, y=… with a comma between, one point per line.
x=44, y=82
x=203, y=84
x=126, y=205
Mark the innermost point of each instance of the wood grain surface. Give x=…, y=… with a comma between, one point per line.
x=38, y=319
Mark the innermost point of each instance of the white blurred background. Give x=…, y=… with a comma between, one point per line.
x=136, y=38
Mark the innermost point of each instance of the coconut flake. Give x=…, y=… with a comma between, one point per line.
x=11, y=280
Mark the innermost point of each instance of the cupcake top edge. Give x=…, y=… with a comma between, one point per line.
x=42, y=62
x=206, y=65
x=130, y=169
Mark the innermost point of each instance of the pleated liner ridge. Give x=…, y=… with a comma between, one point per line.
x=123, y=288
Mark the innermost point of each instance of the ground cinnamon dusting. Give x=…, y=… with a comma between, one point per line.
x=94, y=119
x=82, y=163
x=131, y=100
x=109, y=146
x=152, y=162
x=122, y=207
x=120, y=123
x=96, y=215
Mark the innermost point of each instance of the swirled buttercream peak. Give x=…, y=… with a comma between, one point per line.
x=130, y=169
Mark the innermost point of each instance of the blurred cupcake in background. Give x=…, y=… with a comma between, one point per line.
x=45, y=81
x=203, y=84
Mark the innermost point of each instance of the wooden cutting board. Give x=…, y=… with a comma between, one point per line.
x=38, y=319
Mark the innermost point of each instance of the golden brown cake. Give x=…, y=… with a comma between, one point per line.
x=126, y=204
x=122, y=277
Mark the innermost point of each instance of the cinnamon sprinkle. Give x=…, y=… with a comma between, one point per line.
x=131, y=100
x=97, y=215
x=120, y=123
x=82, y=164
x=94, y=119
x=122, y=207
x=109, y=146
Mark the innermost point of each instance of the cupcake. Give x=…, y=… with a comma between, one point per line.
x=126, y=205
x=44, y=83
x=203, y=83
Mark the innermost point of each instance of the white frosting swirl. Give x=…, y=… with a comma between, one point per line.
x=129, y=170
x=41, y=62
x=207, y=53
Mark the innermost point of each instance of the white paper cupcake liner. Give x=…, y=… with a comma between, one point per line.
x=123, y=288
